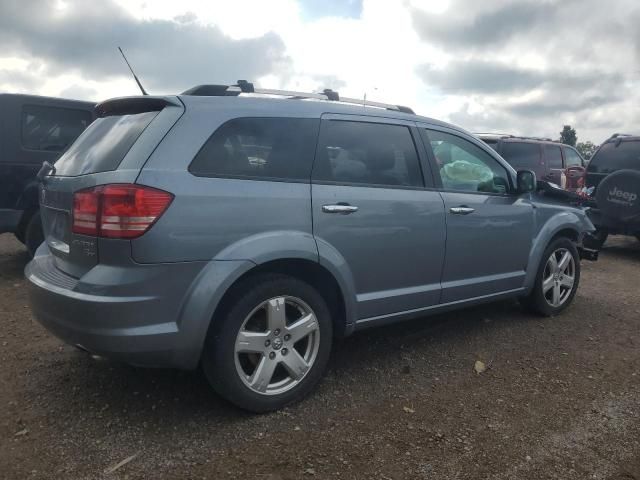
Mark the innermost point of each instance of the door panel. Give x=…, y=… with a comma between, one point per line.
x=393, y=244
x=487, y=249
x=489, y=230
x=370, y=205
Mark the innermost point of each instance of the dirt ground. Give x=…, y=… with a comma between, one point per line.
x=561, y=399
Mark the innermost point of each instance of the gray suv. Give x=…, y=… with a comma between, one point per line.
x=243, y=233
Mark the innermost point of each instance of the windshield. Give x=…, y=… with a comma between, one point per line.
x=614, y=156
x=103, y=145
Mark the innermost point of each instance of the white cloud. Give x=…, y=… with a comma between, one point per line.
x=528, y=57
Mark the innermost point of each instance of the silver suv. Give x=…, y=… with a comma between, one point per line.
x=243, y=233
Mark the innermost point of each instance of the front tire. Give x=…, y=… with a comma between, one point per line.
x=557, y=279
x=271, y=344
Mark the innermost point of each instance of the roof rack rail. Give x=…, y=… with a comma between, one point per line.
x=616, y=135
x=242, y=86
x=496, y=134
x=522, y=137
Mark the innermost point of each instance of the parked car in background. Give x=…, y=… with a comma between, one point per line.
x=33, y=129
x=614, y=172
x=551, y=161
x=244, y=233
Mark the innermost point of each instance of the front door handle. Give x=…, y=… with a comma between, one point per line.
x=342, y=208
x=461, y=210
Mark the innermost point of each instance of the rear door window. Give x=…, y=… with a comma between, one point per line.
x=259, y=148
x=553, y=156
x=103, y=145
x=521, y=155
x=367, y=153
x=52, y=129
x=571, y=157
x=614, y=156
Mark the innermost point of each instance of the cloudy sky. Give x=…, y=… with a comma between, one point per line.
x=517, y=66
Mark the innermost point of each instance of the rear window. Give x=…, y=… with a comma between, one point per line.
x=612, y=157
x=521, y=155
x=269, y=148
x=51, y=129
x=103, y=145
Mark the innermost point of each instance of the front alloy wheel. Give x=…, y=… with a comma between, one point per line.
x=277, y=345
x=559, y=277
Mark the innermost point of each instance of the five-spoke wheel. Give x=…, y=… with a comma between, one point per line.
x=557, y=278
x=270, y=344
x=277, y=345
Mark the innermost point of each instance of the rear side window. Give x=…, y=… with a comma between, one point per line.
x=103, y=145
x=553, y=156
x=521, y=155
x=51, y=129
x=367, y=153
x=572, y=158
x=277, y=148
x=612, y=157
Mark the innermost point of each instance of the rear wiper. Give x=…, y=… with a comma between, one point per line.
x=46, y=169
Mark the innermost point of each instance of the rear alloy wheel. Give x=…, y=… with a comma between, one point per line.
x=557, y=279
x=277, y=345
x=271, y=346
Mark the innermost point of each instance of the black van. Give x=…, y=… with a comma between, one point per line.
x=33, y=129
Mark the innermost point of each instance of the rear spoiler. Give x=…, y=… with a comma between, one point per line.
x=133, y=105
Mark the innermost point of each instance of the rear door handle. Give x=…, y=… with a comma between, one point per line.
x=461, y=210
x=342, y=208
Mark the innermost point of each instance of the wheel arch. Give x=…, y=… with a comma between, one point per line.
x=566, y=224
x=219, y=277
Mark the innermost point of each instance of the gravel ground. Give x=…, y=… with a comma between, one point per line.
x=560, y=399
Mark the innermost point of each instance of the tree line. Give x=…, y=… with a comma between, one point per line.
x=568, y=136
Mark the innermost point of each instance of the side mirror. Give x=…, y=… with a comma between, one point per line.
x=527, y=181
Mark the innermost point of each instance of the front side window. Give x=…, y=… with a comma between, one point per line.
x=52, y=129
x=521, y=155
x=553, y=156
x=614, y=156
x=367, y=153
x=277, y=148
x=571, y=158
x=465, y=167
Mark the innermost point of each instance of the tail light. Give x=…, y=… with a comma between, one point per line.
x=118, y=210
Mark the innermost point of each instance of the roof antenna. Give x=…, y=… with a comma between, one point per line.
x=133, y=73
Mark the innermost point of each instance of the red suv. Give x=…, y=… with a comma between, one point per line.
x=551, y=161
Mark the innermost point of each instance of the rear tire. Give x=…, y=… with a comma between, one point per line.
x=255, y=357
x=551, y=293
x=596, y=240
x=33, y=235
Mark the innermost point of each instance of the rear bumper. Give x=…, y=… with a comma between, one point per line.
x=139, y=328
x=9, y=220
